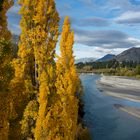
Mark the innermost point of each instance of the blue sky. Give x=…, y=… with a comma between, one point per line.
x=101, y=26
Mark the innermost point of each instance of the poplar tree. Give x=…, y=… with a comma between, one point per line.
x=23, y=86
x=4, y=6
x=35, y=65
x=67, y=83
x=45, y=36
x=24, y=64
x=5, y=69
x=5, y=46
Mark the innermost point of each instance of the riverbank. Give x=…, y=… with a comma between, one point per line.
x=101, y=116
x=130, y=110
x=124, y=88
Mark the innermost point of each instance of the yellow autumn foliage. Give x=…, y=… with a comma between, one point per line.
x=6, y=104
x=4, y=7
x=23, y=85
x=67, y=83
x=46, y=34
x=45, y=91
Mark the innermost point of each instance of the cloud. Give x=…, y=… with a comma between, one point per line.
x=94, y=21
x=124, y=4
x=106, y=39
x=130, y=17
x=87, y=22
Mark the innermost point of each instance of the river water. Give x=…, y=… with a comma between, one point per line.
x=103, y=120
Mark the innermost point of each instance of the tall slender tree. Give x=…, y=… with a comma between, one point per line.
x=5, y=69
x=5, y=45
x=46, y=35
x=24, y=64
x=35, y=65
x=4, y=7
x=23, y=85
x=67, y=83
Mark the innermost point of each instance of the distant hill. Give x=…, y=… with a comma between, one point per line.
x=132, y=54
x=84, y=60
x=106, y=58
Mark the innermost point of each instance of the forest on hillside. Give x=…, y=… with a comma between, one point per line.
x=39, y=90
x=113, y=67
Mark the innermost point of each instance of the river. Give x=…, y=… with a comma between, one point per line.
x=103, y=120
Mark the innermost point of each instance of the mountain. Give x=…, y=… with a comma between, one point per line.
x=132, y=54
x=84, y=60
x=106, y=58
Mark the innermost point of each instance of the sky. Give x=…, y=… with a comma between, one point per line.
x=101, y=26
